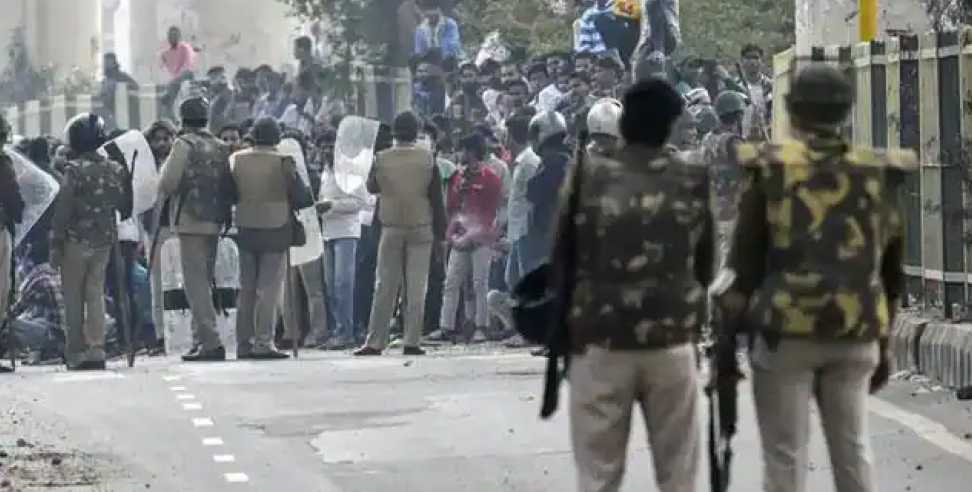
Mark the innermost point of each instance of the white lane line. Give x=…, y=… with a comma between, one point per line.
x=177, y=388
x=212, y=441
x=224, y=458
x=203, y=422
x=170, y=379
x=191, y=407
x=81, y=378
x=236, y=477
x=927, y=429
x=185, y=396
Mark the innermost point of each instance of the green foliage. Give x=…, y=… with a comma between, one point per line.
x=533, y=26
x=720, y=28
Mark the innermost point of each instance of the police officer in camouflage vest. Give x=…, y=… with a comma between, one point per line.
x=724, y=174
x=11, y=214
x=643, y=261
x=816, y=264
x=83, y=229
x=197, y=182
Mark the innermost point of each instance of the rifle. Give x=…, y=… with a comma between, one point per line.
x=722, y=388
x=122, y=301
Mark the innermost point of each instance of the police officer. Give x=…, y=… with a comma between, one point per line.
x=11, y=214
x=642, y=259
x=724, y=175
x=602, y=126
x=265, y=179
x=816, y=259
x=197, y=181
x=83, y=231
x=548, y=135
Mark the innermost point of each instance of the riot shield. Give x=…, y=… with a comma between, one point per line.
x=354, y=154
x=314, y=247
x=141, y=163
x=37, y=188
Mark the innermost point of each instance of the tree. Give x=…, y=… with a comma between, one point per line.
x=356, y=31
x=720, y=28
x=530, y=26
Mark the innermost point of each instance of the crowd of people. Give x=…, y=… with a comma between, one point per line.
x=464, y=201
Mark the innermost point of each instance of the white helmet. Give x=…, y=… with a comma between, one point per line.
x=604, y=118
x=544, y=126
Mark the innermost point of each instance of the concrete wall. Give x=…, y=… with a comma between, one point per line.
x=65, y=34
x=232, y=33
x=834, y=22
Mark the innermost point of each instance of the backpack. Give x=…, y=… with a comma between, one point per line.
x=208, y=190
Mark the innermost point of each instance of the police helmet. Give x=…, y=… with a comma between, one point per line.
x=194, y=111
x=85, y=133
x=545, y=126
x=820, y=94
x=266, y=131
x=604, y=117
x=730, y=102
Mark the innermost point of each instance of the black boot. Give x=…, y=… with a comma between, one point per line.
x=217, y=354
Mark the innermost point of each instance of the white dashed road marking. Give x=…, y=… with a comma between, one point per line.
x=236, y=477
x=190, y=405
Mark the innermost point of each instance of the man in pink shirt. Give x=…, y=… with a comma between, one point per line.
x=178, y=60
x=180, y=56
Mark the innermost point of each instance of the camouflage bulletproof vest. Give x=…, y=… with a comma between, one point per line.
x=640, y=219
x=207, y=182
x=98, y=188
x=724, y=175
x=831, y=212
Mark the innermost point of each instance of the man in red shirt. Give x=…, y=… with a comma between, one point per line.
x=474, y=196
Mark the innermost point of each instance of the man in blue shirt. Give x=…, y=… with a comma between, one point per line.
x=438, y=31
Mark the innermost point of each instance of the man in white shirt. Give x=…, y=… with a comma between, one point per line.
x=547, y=95
x=518, y=212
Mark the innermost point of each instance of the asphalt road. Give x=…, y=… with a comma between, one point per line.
x=460, y=420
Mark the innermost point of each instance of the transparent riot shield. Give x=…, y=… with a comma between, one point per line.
x=141, y=163
x=37, y=188
x=177, y=317
x=314, y=247
x=354, y=154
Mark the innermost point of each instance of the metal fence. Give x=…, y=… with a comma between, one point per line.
x=914, y=92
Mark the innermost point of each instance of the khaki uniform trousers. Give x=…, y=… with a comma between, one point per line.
x=404, y=254
x=83, y=271
x=837, y=376
x=604, y=387
x=198, y=256
x=262, y=278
